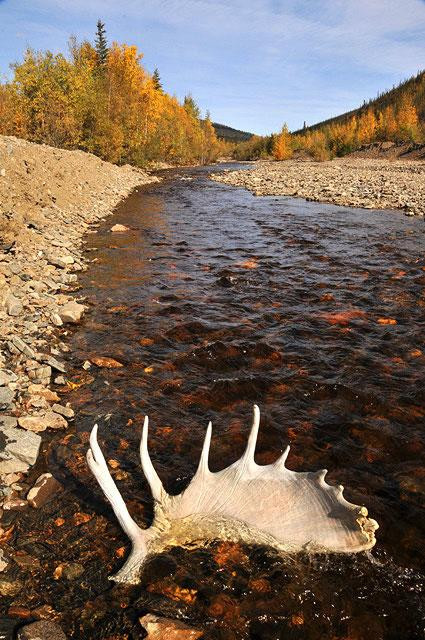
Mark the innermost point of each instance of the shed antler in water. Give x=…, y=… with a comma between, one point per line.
x=288, y=510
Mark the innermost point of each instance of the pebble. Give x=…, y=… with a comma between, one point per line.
x=6, y=397
x=45, y=489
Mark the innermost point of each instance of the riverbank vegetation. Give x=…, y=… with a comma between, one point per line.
x=101, y=99
x=395, y=116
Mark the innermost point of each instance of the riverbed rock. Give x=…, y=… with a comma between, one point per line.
x=13, y=305
x=6, y=377
x=41, y=630
x=72, y=571
x=18, y=449
x=167, y=629
x=45, y=489
x=64, y=411
x=119, y=228
x=107, y=363
x=6, y=397
x=21, y=347
x=10, y=587
x=72, y=312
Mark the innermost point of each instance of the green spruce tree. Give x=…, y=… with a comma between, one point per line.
x=157, y=81
x=101, y=44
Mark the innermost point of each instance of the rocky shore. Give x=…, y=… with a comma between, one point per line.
x=353, y=182
x=49, y=198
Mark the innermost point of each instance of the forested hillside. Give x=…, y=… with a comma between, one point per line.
x=101, y=99
x=228, y=133
x=395, y=116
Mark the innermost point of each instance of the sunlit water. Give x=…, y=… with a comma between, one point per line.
x=215, y=300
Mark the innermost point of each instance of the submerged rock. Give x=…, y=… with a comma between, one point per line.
x=41, y=630
x=45, y=489
x=72, y=312
x=164, y=628
x=119, y=228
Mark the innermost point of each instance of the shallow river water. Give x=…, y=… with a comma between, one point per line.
x=214, y=300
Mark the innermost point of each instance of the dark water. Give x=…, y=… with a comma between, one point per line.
x=213, y=301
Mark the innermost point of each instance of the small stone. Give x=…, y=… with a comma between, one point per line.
x=119, y=228
x=55, y=364
x=21, y=346
x=7, y=422
x=2, y=172
x=107, y=363
x=53, y=420
x=86, y=365
x=6, y=397
x=13, y=503
x=40, y=390
x=6, y=377
x=72, y=571
x=20, y=450
x=45, y=489
x=41, y=630
x=72, y=312
x=3, y=562
x=32, y=423
x=56, y=319
x=161, y=628
x=13, y=305
x=60, y=380
x=67, y=412
x=10, y=587
x=60, y=261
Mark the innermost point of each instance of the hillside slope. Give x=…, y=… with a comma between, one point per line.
x=413, y=87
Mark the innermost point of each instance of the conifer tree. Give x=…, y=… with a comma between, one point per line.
x=101, y=44
x=157, y=80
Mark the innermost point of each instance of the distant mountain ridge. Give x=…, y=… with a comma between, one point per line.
x=228, y=133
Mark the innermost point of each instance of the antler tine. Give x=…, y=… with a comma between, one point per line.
x=99, y=468
x=147, y=466
x=203, y=461
x=248, y=456
x=280, y=462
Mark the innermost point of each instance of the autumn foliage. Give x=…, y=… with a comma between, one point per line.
x=399, y=123
x=106, y=104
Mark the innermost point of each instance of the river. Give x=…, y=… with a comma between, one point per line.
x=214, y=300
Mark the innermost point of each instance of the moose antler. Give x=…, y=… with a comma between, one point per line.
x=287, y=510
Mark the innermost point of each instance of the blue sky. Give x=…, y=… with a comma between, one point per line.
x=253, y=63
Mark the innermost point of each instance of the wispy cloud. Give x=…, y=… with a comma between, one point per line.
x=253, y=64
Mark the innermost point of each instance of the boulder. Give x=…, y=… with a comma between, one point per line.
x=45, y=488
x=72, y=312
x=119, y=228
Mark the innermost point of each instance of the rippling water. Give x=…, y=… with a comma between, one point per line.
x=216, y=299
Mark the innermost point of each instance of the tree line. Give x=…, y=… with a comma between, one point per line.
x=102, y=100
x=398, y=116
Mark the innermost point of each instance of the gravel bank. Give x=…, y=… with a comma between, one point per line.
x=49, y=198
x=353, y=182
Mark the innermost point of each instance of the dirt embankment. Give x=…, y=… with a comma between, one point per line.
x=353, y=182
x=48, y=199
